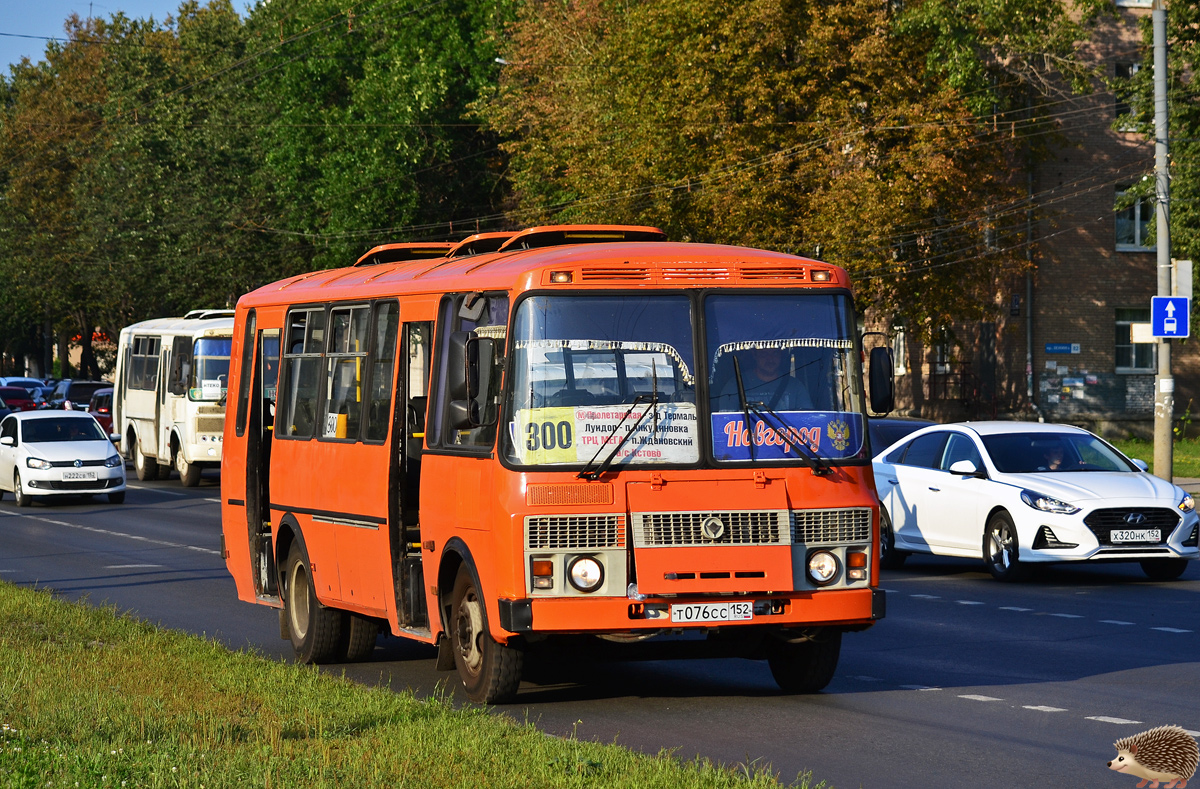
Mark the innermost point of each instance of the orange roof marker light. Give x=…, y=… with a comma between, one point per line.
x=560, y=235
x=398, y=253
x=479, y=244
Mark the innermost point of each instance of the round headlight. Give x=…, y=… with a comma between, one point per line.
x=822, y=568
x=586, y=574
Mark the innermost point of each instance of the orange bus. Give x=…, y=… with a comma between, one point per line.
x=584, y=431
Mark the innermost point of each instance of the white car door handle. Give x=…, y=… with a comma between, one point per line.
x=893, y=481
x=935, y=490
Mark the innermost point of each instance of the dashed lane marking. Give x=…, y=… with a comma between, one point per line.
x=969, y=602
x=919, y=687
x=1115, y=622
x=1013, y=608
x=1038, y=708
x=1171, y=629
x=130, y=566
x=862, y=678
x=1106, y=719
x=156, y=490
x=138, y=538
x=927, y=596
x=1067, y=616
x=975, y=697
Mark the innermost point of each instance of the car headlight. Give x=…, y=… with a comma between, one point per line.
x=1187, y=503
x=586, y=574
x=822, y=567
x=38, y=463
x=113, y=462
x=1047, y=504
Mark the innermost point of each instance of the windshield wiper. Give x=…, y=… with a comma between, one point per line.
x=741, y=387
x=584, y=472
x=803, y=450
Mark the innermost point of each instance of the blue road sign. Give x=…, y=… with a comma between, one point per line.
x=1170, y=316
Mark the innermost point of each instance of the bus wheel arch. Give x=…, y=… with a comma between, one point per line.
x=189, y=473
x=146, y=467
x=314, y=630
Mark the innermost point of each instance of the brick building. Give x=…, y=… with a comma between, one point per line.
x=1060, y=346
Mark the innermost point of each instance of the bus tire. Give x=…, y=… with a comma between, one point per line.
x=314, y=630
x=490, y=671
x=359, y=634
x=806, y=666
x=146, y=468
x=189, y=473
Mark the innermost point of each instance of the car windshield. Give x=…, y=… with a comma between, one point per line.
x=66, y=428
x=1023, y=453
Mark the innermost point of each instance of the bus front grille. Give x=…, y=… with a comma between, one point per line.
x=574, y=532
x=660, y=529
x=210, y=424
x=818, y=527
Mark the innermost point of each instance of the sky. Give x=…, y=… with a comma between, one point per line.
x=26, y=24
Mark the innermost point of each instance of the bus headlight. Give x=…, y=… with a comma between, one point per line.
x=586, y=574
x=822, y=568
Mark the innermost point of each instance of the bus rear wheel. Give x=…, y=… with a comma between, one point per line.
x=315, y=631
x=805, y=666
x=358, y=635
x=146, y=468
x=189, y=473
x=490, y=671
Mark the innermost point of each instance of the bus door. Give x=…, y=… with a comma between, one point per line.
x=176, y=373
x=404, y=491
x=162, y=412
x=259, y=432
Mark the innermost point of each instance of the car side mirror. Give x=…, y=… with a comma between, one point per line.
x=1141, y=464
x=8, y=441
x=965, y=468
x=115, y=438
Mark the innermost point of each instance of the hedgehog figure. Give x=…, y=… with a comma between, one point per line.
x=1167, y=753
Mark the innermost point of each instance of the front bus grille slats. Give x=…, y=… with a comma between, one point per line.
x=819, y=527
x=659, y=529
x=574, y=532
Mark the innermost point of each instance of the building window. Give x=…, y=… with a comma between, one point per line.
x=1133, y=217
x=899, y=350
x=1133, y=357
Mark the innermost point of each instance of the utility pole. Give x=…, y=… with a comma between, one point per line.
x=1164, y=390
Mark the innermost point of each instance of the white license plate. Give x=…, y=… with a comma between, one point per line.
x=1135, y=535
x=78, y=476
x=712, y=612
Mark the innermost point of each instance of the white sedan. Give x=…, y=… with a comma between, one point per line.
x=1016, y=493
x=49, y=453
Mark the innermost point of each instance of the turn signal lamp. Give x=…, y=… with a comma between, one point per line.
x=857, y=562
x=543, y=574
x=822, y=275
x=561, y=277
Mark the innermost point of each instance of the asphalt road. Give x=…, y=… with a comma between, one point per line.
x=967, y=681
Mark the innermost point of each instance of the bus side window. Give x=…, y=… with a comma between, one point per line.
x=383, y=371
x=181, y=354
x=300, y=382
x=484, y=315
x=247, y=374
x=344, y=372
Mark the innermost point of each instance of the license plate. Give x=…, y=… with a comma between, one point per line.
x=78, y=476
x=712, y=612
x=1135, y=535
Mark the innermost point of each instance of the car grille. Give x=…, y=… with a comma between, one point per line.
x=87, y=484
x=1102, y=522
x=657, y=529
x=815, y=527
x=70, y=463
x=574, y=532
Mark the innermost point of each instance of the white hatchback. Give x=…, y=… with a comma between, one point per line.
x=1015, y=493
x=56, y=453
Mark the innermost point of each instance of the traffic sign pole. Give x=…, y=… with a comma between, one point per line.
x=1164, y=390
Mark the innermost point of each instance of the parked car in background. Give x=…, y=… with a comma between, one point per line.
x=886, y=431
x=52, y=453
x=1020, y=493
x=77, y=393
x=17, y=398
x=30, y=384
x=100, y=407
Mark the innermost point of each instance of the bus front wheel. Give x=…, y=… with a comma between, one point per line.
x=490, y=671
x=805, y=666
x=189, y=473
x=315, y=631
x=146, y=468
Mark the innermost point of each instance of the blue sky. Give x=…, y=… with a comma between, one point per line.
x=42, y=19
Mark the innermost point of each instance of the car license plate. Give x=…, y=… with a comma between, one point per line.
x=712, y=612
x=78, y=476
x=1135, y=535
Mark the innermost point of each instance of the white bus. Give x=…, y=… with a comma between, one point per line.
x=169, y=395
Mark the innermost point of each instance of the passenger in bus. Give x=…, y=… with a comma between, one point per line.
x=766, y=380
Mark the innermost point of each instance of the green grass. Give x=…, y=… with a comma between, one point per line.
x=90, y=698
x=1186, y=454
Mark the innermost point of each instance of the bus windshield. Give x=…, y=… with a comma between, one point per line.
x=594, y=376
x=210, y=368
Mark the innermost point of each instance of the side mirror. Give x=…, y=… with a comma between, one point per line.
x=8, y=441
x=471, y=361
x=883, y=396
x=964, y=468
x=115, y=438
x=1143, y=465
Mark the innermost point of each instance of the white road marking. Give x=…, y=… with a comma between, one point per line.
x=1115, y=622
x=1170, y=630
x=974, y=697
x=968, y=602
x=1193, y=733
x=918, y=687
x=1067, y=616
x=218, y=501
x=156, y=490
x=1013, y=608
x=129, y=566
x=1044, y=709
x=927, y=596
x=1106, y=719
x=111, y=533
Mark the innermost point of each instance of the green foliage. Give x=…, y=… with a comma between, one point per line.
x=102, y=700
